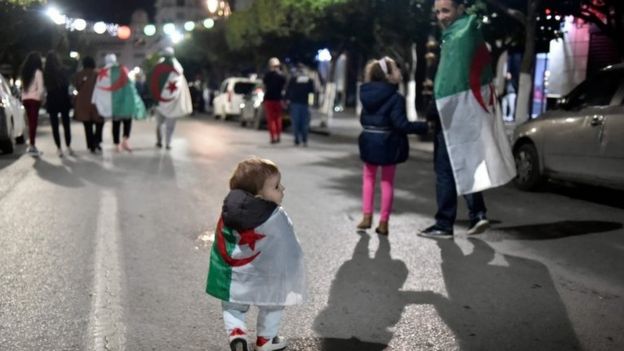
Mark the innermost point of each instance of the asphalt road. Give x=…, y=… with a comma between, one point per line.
x=110, y=252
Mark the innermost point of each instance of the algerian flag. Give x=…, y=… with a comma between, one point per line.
x=115, y=94
x=261, y=266
x=478, y=148
x=169, y=89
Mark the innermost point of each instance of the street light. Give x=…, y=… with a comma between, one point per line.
x=55, y=15
x=99, y=27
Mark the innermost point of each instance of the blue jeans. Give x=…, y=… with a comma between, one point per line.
x=446, y=194
x=300, y=115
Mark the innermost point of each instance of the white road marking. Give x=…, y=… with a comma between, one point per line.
x=106, y=328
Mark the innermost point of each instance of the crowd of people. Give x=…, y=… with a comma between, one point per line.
x=107, y=93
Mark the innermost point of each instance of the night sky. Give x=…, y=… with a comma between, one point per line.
x=116, y=11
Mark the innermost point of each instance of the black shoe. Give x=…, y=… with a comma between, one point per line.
x=437, y=232
x=238, y=344
x=478, y=225
x=158, y=145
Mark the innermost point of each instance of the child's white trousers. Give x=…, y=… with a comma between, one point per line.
x=269, y=318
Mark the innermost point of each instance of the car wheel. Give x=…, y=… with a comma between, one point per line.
x=527, y=167
x=6, y=145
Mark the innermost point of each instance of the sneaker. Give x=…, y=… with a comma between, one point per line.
x=478, y=225
x=238, y=340
x=159, y=144
x=168, y=147
x=436, y=232
x=277, y=343
x=70, y=151
x=32, y=151
x=59, y=152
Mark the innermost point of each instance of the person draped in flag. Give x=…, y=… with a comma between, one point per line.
x=471, y=151
x=115, y=97
x=256, y=258
x=169, y=90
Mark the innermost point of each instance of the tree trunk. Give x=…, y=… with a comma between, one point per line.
x=526, y=69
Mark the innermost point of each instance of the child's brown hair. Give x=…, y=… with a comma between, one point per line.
x=250, y=174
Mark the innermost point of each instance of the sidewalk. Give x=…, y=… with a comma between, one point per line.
x=347, y=124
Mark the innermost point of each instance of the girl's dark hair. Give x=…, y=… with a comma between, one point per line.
x=251, y=174
x=88, y=62
x=53, y=75
x=31, y=64
x=374, y=73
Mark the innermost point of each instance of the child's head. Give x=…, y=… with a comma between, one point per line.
x=383, y=70
x=259, y=177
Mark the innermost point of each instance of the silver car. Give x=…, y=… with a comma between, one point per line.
x=582, y=140
x=12, y=120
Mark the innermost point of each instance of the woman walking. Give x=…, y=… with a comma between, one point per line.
x=383, y=142
x=84, y=110
x=32, y=83
x=57, y=101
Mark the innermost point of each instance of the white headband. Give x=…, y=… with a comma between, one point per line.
x=383, y=65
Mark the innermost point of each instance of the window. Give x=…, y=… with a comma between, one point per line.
x=244, y=88
x=596, y=91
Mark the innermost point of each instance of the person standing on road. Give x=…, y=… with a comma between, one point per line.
x=57, y=100
x=33, y=89
x=298, y=91
x=170, y=92
x=84, y=110
x=383, y=142
x=471, y=152
x=274, y=82
x=115, y=97
x=256, y=258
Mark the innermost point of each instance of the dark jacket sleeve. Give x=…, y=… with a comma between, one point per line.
x=398, y=118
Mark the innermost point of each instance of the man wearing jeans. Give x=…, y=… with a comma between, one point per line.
x=274, y=83
x=471, y=152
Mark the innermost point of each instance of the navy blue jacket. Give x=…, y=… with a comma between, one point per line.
x=384, y=138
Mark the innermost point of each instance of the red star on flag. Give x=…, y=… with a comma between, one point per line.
x=171, y=86
x=103, y=73
x=249, y=237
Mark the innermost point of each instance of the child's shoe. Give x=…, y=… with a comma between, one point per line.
x=238, y=340
x=263, y=344
x=382, y=228
x=366, y=222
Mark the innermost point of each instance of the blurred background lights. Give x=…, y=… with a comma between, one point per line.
x=124, y=32
x=99, y=27
x=212, y=5
x=323, y=55
x=209, y=23
x=149, y=30
x=80, y=24
x=55, y=15
x=169, y=28
x=176, y=37
x=189, y=26
x=74, y=55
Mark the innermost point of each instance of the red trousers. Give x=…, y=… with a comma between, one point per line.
x=32, y=112
x=273, y=113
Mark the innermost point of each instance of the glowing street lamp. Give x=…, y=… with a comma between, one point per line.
x=56, y=16
x=99, y=27
x=209, y=23
x=169, y=28
x=80, y=24
x=149, y=30
x=189, y=26
x=213, y=5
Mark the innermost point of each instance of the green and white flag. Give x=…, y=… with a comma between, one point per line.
x=169, y=89
x=261, y=266
x=115, y=95
x=478, y=148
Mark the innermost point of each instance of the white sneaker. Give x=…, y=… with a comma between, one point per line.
x=278, y=343
x=32, y=151
x=238, y=340
x=478, y=226
x=59, y=152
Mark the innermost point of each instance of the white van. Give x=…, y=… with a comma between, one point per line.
x=229, y=100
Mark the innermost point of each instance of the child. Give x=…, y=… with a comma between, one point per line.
x=383, y=142
x=256, y=258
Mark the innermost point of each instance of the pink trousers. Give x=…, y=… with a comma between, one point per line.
x=387, y=189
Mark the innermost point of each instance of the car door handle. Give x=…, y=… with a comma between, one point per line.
x=597, y=120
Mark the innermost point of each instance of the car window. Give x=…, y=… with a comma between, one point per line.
x=244, y=88
x=596, y=91
x=223, y=87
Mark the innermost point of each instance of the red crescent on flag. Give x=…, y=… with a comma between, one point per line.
x=480, y=61
x=120, y=82
x=233, y=262
x=160, y=69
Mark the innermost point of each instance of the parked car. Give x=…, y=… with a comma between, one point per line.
x=252, y=112
x=12, y=120
x=582, y=140
x=229, y=99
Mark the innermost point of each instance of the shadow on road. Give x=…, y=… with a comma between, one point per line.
x=599, y=195
x=508, y=306
x=557, y=230
x=365, y=301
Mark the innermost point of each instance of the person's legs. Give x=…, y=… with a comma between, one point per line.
x=446, y=195
x=170, y=125
x=269, y=318
x=32, y=111
x=160, y=119
x=234, y=320
x=99, y=127
x=115, y=131
x=305, y=124
x=368, y=195
x=387, y=191
x=88, y=127
x=296, y=116
x=66, y=127
x=54, y=123
x=271, y=119
x=127, y=128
